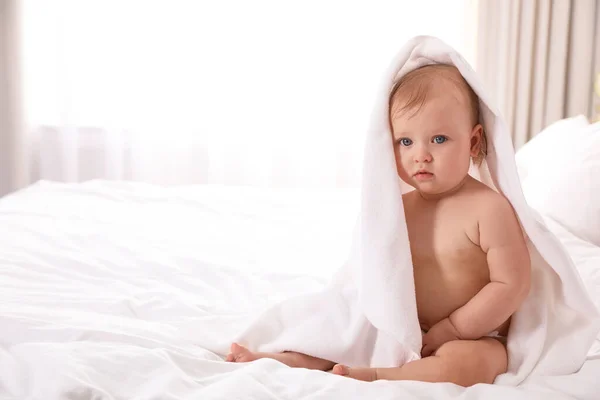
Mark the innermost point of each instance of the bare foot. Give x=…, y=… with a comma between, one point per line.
x=239, y=353
x=362, y=374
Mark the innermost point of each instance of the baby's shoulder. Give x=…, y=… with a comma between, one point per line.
x=486, y=201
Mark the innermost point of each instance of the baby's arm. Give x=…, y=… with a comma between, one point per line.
x=501, y=238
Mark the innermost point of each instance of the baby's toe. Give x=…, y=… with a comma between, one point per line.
x=236, y=348
x=239, y=353
x=340, y=369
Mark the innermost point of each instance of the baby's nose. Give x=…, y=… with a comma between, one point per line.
x=422, y=154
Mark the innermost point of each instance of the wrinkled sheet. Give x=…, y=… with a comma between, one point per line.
x=130, y=291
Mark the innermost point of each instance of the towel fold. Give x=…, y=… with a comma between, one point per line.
x=367, y=316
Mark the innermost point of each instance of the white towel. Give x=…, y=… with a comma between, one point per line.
x=367, y=316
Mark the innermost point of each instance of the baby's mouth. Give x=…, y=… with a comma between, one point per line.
x=423, y=175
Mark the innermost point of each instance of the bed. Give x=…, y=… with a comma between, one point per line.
x=120, y=290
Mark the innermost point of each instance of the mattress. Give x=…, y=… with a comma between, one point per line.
x=117, y=290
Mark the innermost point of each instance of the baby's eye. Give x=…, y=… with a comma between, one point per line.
x=439, y=139
x=405, y=142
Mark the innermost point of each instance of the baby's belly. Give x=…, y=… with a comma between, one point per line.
x=441, y=289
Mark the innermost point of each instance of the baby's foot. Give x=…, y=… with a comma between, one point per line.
x=363, y=374
x=239, y=353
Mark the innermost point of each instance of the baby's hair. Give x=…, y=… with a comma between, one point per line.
x=415, y=86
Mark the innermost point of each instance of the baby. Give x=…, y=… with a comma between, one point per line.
x=470, y=260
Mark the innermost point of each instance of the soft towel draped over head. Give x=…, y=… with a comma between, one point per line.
x=367, y=316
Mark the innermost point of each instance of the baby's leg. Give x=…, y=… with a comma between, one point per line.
x=292, y=359
x=463, y=362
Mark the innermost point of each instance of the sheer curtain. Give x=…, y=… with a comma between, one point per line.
x=263, y=93
x=13, y=153
x=539, y=59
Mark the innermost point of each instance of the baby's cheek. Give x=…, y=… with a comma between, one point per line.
x=399, y=165
x=402, y=174
x=461, y=167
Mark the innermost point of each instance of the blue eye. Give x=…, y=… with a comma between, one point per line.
x=405, y=142
x=439, y=139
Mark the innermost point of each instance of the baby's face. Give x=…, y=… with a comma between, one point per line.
x=433, y=147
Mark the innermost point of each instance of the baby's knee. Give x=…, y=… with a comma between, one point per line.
x=467, y=363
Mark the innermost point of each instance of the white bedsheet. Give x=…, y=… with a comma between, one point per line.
x=129, y=291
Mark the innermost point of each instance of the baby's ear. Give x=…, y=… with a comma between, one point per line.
x=476, y=140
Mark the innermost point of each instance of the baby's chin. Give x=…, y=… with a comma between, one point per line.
x=432, y=188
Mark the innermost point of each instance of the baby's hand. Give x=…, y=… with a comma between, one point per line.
x=439, y=334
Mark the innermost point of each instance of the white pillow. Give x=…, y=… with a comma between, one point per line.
x=560, y=175
x=547, y=145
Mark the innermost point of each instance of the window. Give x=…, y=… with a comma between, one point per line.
x=241, y=92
